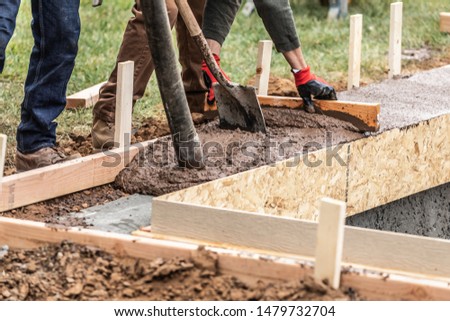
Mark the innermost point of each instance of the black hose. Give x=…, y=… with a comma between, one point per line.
x=185, y=139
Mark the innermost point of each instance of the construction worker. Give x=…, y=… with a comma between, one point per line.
x=135, y=47
x=56, y=29
x=279, y=22
x=8, y=14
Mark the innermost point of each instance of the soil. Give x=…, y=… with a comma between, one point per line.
x=227, y=152
x=72, y=272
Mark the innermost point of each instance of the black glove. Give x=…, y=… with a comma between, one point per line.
x=309, y=85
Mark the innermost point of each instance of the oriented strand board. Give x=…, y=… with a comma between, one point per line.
x=377, y=170
x=398, y=163
x=290, y=188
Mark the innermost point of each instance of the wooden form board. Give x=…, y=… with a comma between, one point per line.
x=354, y=57
x=249, y=266
x=85, y=98
x=363, y=116
x=444, y=25
x=124, y=104
x=395, y=40
x=69, y=177
x=365, y=173
x=263, y=66
x=394, y=252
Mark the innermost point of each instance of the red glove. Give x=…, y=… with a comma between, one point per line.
x=309, y=85
x=210, y=79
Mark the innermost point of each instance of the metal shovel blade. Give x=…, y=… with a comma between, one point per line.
x=238, y=107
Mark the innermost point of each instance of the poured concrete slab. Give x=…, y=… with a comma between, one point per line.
x=121, y=216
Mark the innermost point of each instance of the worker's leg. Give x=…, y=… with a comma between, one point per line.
x=56, y=28
x=8, y=14
x=134, y=47
x=191, y=60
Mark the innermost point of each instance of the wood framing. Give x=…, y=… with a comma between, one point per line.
x=395, y=252
x=69, y=177
x=363, y=116
x=354, y=57
x=444, y=25
x=248, y=266
x=85, y=98
x=124, y=104
x=414, y=159
x=263, y=66
x=329, y=241
x=395, y=40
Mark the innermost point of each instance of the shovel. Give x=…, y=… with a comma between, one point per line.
x=238, y=105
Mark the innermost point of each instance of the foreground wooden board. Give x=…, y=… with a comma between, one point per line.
x=400, y=253
x=248, y=266
x=369, y=172
x=444, y=22
x=363, y=116
x=65, y=178
x=85, y=98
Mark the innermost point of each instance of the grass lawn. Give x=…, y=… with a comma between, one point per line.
x=325, y=45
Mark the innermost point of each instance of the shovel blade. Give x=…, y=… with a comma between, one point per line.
x=238, y=107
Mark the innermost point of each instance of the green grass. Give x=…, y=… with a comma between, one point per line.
x=325, y=46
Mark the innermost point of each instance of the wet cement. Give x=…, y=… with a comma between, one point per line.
x=404, y=102
x=424, y=214
x=227, y=152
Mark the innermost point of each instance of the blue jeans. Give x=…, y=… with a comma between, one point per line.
x=8, y=13
x=56, y=29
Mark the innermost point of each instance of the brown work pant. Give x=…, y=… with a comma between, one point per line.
x=135, y=47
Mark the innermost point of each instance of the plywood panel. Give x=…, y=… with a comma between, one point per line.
x=398, y=163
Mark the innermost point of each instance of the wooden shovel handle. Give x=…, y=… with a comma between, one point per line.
x=197, y=35
x=188, y=17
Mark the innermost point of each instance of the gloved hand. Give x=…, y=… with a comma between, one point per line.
x=210, y=79
x=309, y=85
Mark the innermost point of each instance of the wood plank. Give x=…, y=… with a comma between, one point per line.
x=444, y=25
x=69, y=177
x=330, y=240
x=393, y=252
x=85, y=98
x=395, y=40
x=416, y=160
x=249, y=266
x=3, y=141
x=363, y=116
x=354, y=57
x=124, y=104
x=263, y=66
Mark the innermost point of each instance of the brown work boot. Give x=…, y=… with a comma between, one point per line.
x=102, y=135
x=41, y=158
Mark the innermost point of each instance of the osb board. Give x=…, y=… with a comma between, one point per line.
x=376, y=171
x=398, y=163
x=282, y=189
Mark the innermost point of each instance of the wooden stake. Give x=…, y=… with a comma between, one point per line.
x=85, y=98
x=124, y=104
x=354, y=58
x=2, y=155
x=263, y=66
x=444, y=22
x=395, y=40
x=330, y=241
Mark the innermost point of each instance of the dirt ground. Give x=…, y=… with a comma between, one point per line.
x=71, y=272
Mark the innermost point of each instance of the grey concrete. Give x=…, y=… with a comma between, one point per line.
x=124, y=215
x=425, y=214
